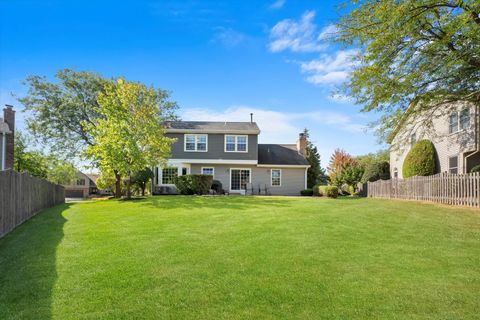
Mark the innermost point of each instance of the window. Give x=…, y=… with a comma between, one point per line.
x=276, y=177
x=168, y=175
x=453, y=122
x=239, y=178
x=80, y=182
x=464, y=119
x=453, y=165
x=236, y=143
x=208, y=170
x=413, y=139
x=196, y=142
x=395, y=173
x=184, y=171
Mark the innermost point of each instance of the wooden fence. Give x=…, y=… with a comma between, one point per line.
x=453, y=189
x=22, y=196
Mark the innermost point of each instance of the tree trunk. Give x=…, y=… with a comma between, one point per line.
x=118, y=184
x=143, y=189
x=129, y=191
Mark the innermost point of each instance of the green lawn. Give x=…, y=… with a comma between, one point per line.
x=243, y=257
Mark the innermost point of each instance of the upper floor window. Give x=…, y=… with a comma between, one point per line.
x=413, y=139
x=459, y=120
x=276, y=177
x=196, y=142
x=80, y=182
x=453, y=164
x=236, y=143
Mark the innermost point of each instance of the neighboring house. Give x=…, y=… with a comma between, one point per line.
x=81, y=187
x=453, y=130
x=7, y=138
x=230, y=152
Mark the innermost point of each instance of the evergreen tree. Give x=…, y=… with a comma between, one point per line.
x=315, y=174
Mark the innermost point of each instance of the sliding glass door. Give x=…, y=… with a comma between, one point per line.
x=239, y=179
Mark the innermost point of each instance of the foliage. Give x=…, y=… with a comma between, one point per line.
x=217, y=186
x=193, y=183
x=60, y=171
x=141, y=179
x=376, y=171
x=338, y=161
x=351, y=175
x=129, y=135
x=306, y=192
x=420, y=160
x=475, y=168
x=315, y=174
x=328, y=191
x=368, y=159
x=106, y=181
x=426, y=49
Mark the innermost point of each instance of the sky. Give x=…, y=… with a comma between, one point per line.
x=221, y=60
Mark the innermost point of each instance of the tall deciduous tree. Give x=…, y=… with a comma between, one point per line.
x=129, y=135
x=315, y=174
x=427, y=51
x=338, y=161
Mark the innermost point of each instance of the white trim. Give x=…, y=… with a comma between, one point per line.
x=271, y=178
x=236, y=142
x=230, y=179
x=213, y=170
x=203, y=131
x=293, y=166
x=212, y=161
x=306, y=178
x=196, y=142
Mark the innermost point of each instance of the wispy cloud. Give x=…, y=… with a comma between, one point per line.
x=278, y=4
x=228, y=37
x=297, y=35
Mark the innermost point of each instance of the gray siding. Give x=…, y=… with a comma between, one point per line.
x=293, y=179
x=216, y=148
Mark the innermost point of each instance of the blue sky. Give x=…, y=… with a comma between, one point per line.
x=220, y=60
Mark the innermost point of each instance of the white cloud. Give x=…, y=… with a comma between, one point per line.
x=278, y=4
x=228, y=37
x=297, y=36
x=327, y=32
x=340, y=98
x=330, y=69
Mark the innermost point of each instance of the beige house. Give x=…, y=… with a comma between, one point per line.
x=81, y=187
x=453, y=130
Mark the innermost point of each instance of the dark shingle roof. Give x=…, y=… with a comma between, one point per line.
x=280, y=155
x=212, y=126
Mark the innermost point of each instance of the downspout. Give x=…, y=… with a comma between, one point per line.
x=477, y=140
x=2, y=164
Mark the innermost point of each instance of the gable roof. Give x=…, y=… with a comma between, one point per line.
x=211, y=127
x=279, y=155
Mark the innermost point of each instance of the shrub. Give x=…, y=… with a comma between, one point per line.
x=376, y=171
x=217, y=186
x=315, y=190
x=420, y=160
x=329, y=191
x=475, y=169
x=193, y=183
x=307, y=192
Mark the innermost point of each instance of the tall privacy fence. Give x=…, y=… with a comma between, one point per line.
x=22, y=196
x=453, y=189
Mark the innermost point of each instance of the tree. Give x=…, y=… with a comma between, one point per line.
x=351, y=175
x=315, y=174
x=372, y=158
x=129, y=135
x=60, y=171
x=339, y=160
x=141, y=178
x=420, y=160
x=425, y=50
x=376, y=171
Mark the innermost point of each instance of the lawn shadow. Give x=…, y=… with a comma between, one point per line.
x=28, y=265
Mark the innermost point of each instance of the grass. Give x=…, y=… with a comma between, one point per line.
x=243, y=257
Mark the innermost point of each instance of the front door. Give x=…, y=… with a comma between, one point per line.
x=239, y=179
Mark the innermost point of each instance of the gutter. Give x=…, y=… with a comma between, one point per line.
x=477, y=140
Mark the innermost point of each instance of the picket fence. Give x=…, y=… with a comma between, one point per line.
x=452, y=189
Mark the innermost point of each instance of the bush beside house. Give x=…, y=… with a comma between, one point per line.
x=194, y=183
x=420, y=160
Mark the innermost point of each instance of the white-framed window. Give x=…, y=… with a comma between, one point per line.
x=453, y=164
x=208, y=170
x=464, y=119
x=453, y=122
x=196, y=143
x=168, y=175
x=239, y=178
x=276, y=177
x=236, y=143
x=459, y=120
x=395, y=173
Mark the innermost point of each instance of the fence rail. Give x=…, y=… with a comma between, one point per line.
x=453, y=189
x=22, y=196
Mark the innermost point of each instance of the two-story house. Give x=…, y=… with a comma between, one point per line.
x=230, y=152
x=453, y=130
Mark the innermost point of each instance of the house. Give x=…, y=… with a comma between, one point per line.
x=7, y=138
x=81, y=187
x=453, y=129
x=230, y=152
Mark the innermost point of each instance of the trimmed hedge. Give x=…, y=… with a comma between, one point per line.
x=307, y=192
x=193, y=183
x=325, y=191
x=420, y=160
x=376, y=171
x=475, y=169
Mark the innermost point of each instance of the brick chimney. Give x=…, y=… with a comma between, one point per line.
x=302, y=144
x=9, y=118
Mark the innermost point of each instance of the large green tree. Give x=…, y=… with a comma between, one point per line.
x=423, y=51
x=129, y=135
x=315, y=174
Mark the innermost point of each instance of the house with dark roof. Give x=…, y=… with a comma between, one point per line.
x=230, y=152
